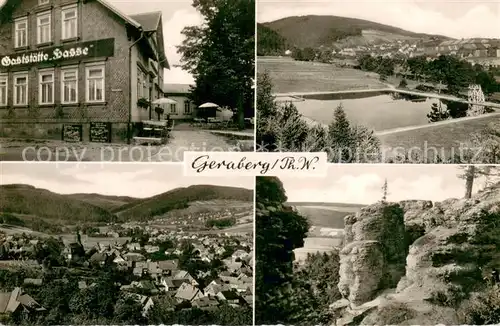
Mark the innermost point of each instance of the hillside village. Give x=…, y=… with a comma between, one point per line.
x=485, y=52
x=184, y=256
x=477, y=50
x=154, y=261
x=332, y=37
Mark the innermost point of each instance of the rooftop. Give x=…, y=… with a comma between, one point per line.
x=177, y=88
x=148, y=20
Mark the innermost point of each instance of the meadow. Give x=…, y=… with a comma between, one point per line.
x=447, y=138
x=289, y=76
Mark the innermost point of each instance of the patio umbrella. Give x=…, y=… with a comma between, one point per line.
x=208, y=105
x=164, y=100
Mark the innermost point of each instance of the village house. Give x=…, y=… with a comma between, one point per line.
x=184, y=108
x=205, y=303
x=188, y=292
x=146, y=302
x=170, y=284
x=168, y=266
x=231, y=297
x=135, y=246
x=33, y=281
x=78, y=70
x=15, y=300
x=183, y=275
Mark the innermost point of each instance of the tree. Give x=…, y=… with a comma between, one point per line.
x=472, y=172
x=438, y=113
x=278, y=233
x=403, y=83
x=384, y=191
x=339, y=133
x=220, y=54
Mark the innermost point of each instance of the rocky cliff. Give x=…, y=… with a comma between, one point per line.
x=415, y=262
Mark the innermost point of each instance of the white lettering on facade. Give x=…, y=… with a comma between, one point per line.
x=41, y=56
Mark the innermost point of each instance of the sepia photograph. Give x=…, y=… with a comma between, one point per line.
x=115, y=80
x=379, y=245
x=380, y=82
x=114, y=244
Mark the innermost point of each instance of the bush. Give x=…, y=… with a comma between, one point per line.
x=7, y=218
x=482, y=309
x=143, y=103
x=221, y=223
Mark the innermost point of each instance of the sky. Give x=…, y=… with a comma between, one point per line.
x=176, y=15
x=453, y=18
x=362, y=184
x=134, y=180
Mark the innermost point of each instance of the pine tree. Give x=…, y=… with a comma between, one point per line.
x=340, y=135
x=472, y=172
x=437, y=113
x=384, y=191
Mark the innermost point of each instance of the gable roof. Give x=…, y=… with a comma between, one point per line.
x=148, y=20
x=187, y=292
x=120, y=14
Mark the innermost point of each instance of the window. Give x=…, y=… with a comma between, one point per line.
x=69, y=85
x=46, y=87
x=43, y=28
x=43, y=2
x=3, y=89
x=21, y=89
x=145, y=87
x=21, y=32
x=142, y=84
x=173, y=108
x=95, y=83
x=69, y=22
x=187, y=107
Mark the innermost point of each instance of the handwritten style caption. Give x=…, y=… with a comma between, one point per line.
x=254, y=164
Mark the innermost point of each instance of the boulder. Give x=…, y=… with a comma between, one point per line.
x=374, y=254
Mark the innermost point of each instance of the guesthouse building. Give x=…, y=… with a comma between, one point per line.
x=184, y=108
x=78, y=70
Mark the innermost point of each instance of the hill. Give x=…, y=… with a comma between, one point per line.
x=316, y=31
x=179, y=198
x=25, y=199
x=270, y=42
x=30, y=203
x=103, y=201
x=327, y=215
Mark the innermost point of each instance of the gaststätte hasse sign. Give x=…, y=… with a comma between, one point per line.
x=98, y=48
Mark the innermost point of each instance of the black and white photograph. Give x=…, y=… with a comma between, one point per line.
x=380, y=81
x=117, y=80
x=114, y=244
x=379, y=245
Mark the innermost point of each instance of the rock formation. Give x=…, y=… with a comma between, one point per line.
x=414, y=262
x=374, y=253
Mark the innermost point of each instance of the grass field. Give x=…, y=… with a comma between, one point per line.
x=446, y=138
x=288, y=75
